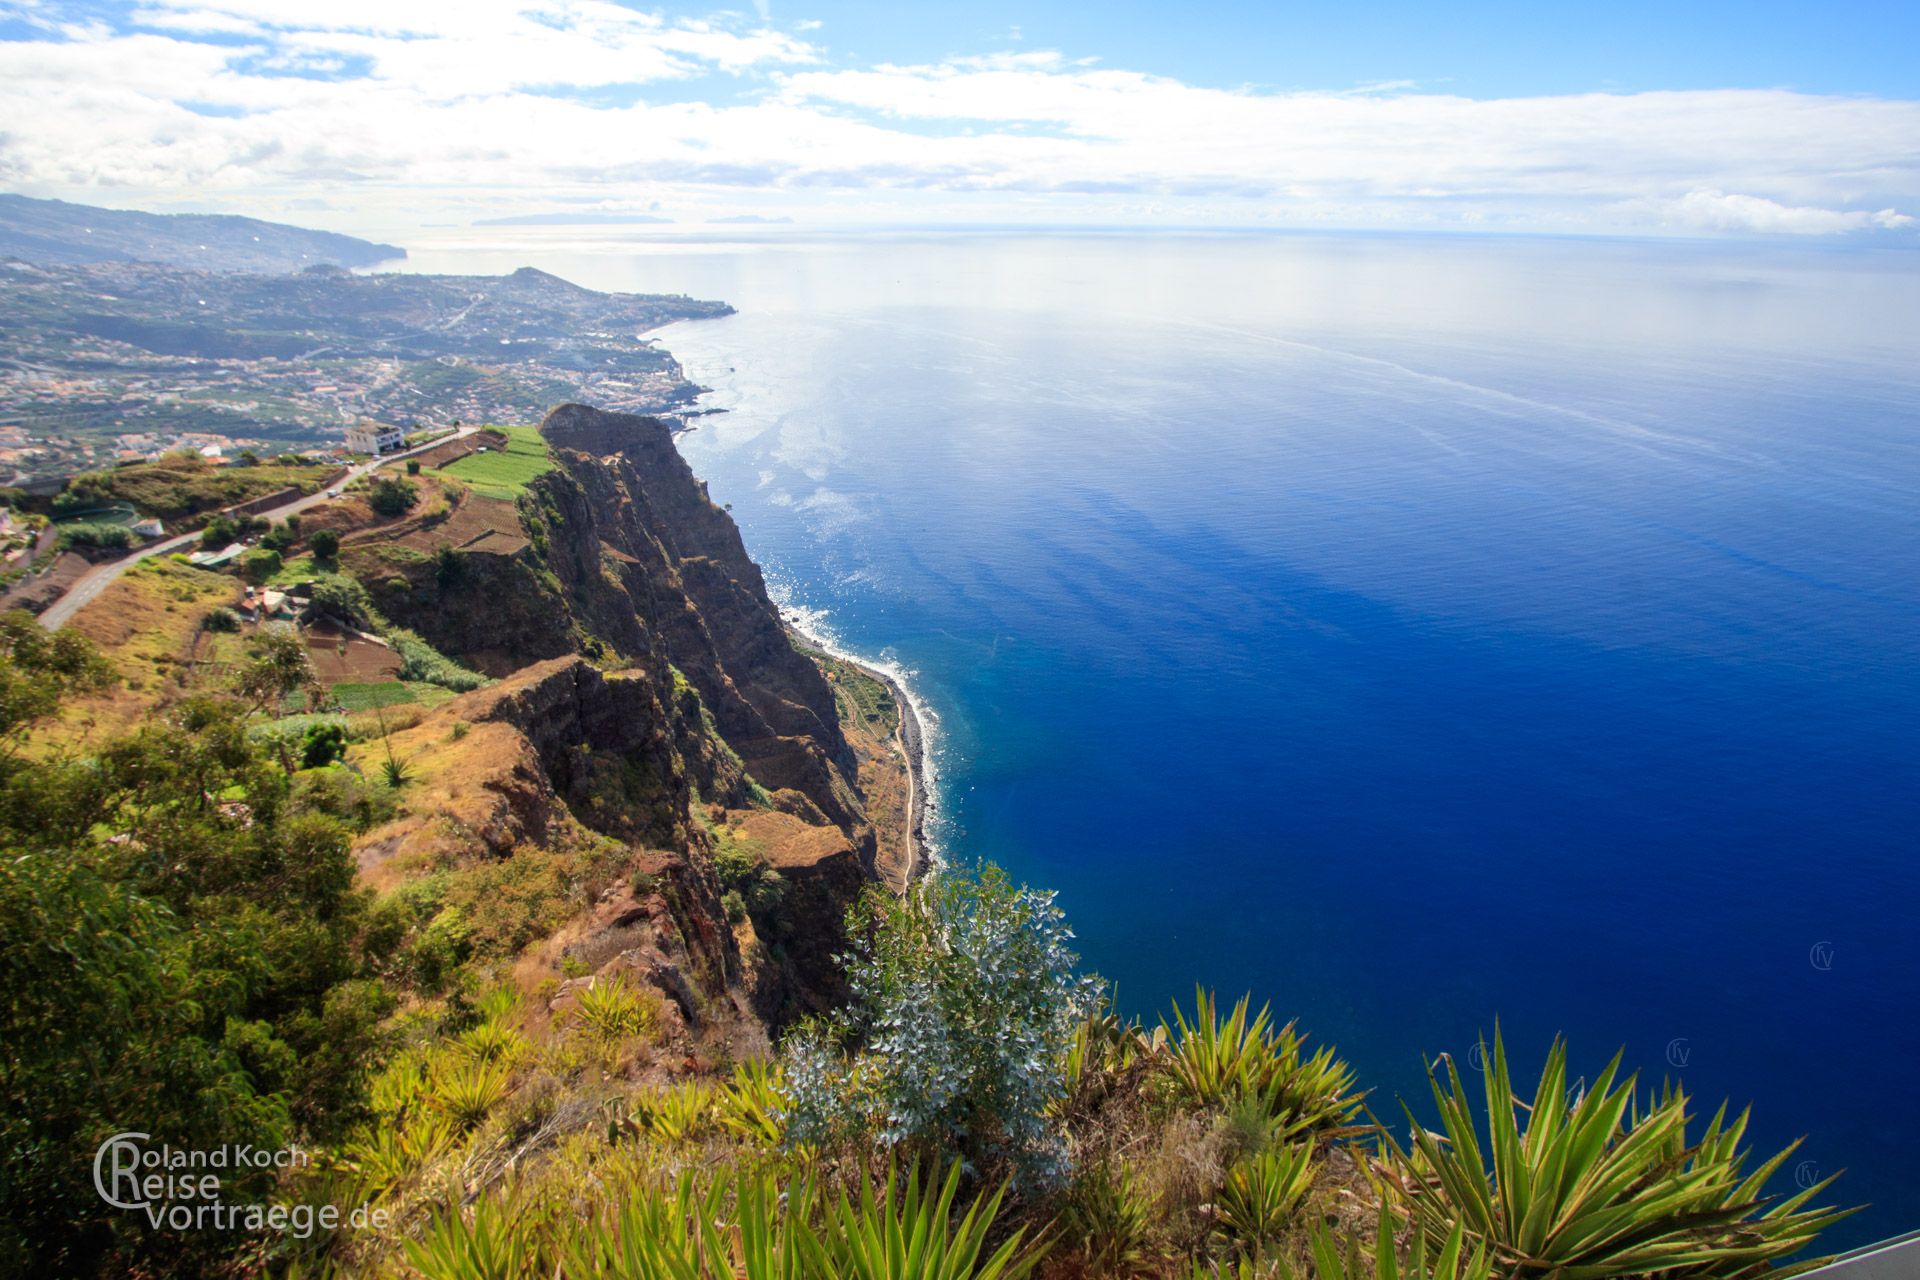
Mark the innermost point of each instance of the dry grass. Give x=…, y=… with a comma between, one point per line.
x=147, y=625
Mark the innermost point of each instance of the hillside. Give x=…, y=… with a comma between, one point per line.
x=54, y=232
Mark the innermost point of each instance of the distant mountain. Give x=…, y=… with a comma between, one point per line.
x=591, y=219
x=54, y=232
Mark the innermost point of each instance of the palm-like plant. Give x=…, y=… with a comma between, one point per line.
x=485, y=1246
x=1450, y=1261
x=1263, y=1192
x=1243, y=1057
x=466, y=1089
x=1107, y=1218
x=691, y=1233
x=754, y=1100
x=908, y=1233
x=1596, y=1186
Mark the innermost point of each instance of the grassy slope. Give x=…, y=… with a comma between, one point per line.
x=498, y=474
x=178, y=488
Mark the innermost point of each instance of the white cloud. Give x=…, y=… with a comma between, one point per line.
x=497, y=102
x=1721, y=211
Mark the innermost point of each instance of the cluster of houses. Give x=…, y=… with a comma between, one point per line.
x=265, y=604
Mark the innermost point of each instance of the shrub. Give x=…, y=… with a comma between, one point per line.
x=1331, y=1262
x=325, y=544
x=421, y=661
x=88, y=534
x=322, y=744
x=748, y=879
x=1598, y=1183
x=965, y=1006
x=218, y=533
x=259, y=564
x=391, y=496
x=341, y=595
x=221, y=620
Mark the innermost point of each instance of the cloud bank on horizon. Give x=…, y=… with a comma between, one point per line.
x=399, y=111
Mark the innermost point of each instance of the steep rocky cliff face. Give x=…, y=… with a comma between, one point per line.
x=651, y=697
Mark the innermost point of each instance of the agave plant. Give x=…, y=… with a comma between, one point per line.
x=731, y=1227
x=1450, y=1261
x=908, y=1233
x=465, y=1089
x=1216, y=1062
x=1262, y=1193
x=482, y=1246
x=753, y=1101
x=681, y=1113
x=1106, y=1217
x=1597, y=1185
x=611, y=1010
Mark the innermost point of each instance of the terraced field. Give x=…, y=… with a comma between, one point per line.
x=504, y=473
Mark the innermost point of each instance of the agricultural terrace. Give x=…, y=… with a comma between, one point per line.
x=504, y=473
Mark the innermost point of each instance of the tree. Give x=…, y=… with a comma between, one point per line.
x=325, y=544
x=391, y=496
x=413, y=466
x=278, y=666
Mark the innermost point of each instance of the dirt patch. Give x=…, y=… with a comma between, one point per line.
x=37, y=592
x=347, y=657
x=476, y=523
x=454, y=450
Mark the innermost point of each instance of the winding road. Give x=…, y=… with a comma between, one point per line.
x=90, y=584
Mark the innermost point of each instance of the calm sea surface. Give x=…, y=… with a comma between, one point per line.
x=1416, y=632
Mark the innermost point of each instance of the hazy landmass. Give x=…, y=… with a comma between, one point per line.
x=54, y=231
x=108, y=360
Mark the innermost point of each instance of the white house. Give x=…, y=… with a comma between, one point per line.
x=374, y=437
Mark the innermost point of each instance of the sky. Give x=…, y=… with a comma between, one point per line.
x=1707, y=118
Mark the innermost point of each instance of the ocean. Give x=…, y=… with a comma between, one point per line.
x=1420, y=633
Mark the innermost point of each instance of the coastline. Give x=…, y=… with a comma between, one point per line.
x=910, y=740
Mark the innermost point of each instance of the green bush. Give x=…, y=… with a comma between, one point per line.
x=391, y=496
x=965, y=1005
x=89, y=534
x=259, y=564
x=1243, y=1059
x=325, y=544
x=421, y=661
x=322, y=744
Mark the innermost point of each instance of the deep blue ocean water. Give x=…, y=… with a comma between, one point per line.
x=1416, y=632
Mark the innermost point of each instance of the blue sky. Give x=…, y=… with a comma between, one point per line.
x=1710, y=119
x=1483, y=50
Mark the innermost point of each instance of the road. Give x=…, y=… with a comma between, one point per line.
x=90, y=584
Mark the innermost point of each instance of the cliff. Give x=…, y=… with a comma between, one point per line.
x=651, y=711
